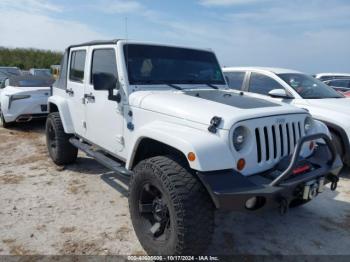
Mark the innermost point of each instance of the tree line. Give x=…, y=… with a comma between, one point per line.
x=26, y=58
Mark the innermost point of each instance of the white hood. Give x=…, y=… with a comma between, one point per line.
x=332, y=104
x=228, y=105
x=333, y=110
x=12, y=90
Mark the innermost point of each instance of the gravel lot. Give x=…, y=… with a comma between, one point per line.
x=83, y=209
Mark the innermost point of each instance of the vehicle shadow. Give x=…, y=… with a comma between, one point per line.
x=321, y=227
x=35, y=126
x=89, y=166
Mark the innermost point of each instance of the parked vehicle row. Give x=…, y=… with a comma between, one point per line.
x=191, y=137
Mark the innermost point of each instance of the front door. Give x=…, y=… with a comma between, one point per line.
x=104, y=118
x=263, y=84
x=75, y=89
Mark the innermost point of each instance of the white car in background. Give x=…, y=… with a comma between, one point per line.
x=329, y=76
x=41, y=72
x=23, y=98
x=301, y=90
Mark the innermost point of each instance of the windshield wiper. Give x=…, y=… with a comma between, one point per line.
x=212, y=86
x=175, y=86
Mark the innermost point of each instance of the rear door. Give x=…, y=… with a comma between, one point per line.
x=104, y=118
x=75, y=88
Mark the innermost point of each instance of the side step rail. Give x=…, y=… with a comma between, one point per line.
x=104, y=160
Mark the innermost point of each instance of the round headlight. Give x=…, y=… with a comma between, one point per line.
x=308, y=124
x=239, y=137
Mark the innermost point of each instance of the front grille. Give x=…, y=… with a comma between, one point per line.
x=277, y=141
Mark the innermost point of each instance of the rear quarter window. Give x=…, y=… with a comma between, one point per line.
x=235, y=79
x=77, y=66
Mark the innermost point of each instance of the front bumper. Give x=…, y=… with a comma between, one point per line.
x=230, y=190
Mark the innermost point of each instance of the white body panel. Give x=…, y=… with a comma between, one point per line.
x=28, y=106
x=104, y=118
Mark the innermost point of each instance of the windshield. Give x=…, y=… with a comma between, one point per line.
x=308, y=87
x=33, y=83
x=42, y=72
x=149, y=64
x=9, y=71
x=30, y=81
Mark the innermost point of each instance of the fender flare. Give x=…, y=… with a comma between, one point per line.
x=212, y=155
x=64, y=112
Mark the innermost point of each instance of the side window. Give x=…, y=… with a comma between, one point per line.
x=77, y=66
x=235, y=79
x=104, y=62
x=262, y=84
x=339, y=83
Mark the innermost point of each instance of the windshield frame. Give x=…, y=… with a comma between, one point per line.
x=165, y=82
x=315, y=81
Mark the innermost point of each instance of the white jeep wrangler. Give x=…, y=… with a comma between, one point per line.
x=164, y=116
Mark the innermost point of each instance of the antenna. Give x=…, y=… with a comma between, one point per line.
x=126, y=39
x=126, y=28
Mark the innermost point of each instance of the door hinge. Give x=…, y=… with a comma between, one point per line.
x=84, y=124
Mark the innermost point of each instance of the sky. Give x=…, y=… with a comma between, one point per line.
x=311, y=36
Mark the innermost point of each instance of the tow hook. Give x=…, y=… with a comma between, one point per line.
x=334, y=181
x=283, y=208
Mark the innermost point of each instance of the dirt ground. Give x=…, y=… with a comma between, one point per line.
x=83, y=209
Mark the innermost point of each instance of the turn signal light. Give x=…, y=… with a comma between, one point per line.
x=241, y=164
x=312, y=145
x=191, y=156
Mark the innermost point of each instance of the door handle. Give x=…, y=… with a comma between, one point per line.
x=90, y=97
x=70, y=92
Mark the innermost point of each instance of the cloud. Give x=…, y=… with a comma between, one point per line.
x=30, y=5
x=227, y=2
x=120, y=6
x=291, y=14
x=23, y=29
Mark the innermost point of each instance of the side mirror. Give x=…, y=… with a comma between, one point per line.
x=108, y=82
x=103, y=81
x=279, y=93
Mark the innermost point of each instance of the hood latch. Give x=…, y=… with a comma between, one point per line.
x=214, y=123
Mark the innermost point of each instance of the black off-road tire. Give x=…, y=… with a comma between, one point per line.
x=191, y=211
x=60, y=149
x=338, y=145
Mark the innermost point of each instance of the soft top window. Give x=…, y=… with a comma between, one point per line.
x=9, y=71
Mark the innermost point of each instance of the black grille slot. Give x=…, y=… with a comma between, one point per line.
x=258, y=144
x=294, y=135
x=274, y=142
x=288, y=139
x=267, y=144
x=282, y=142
